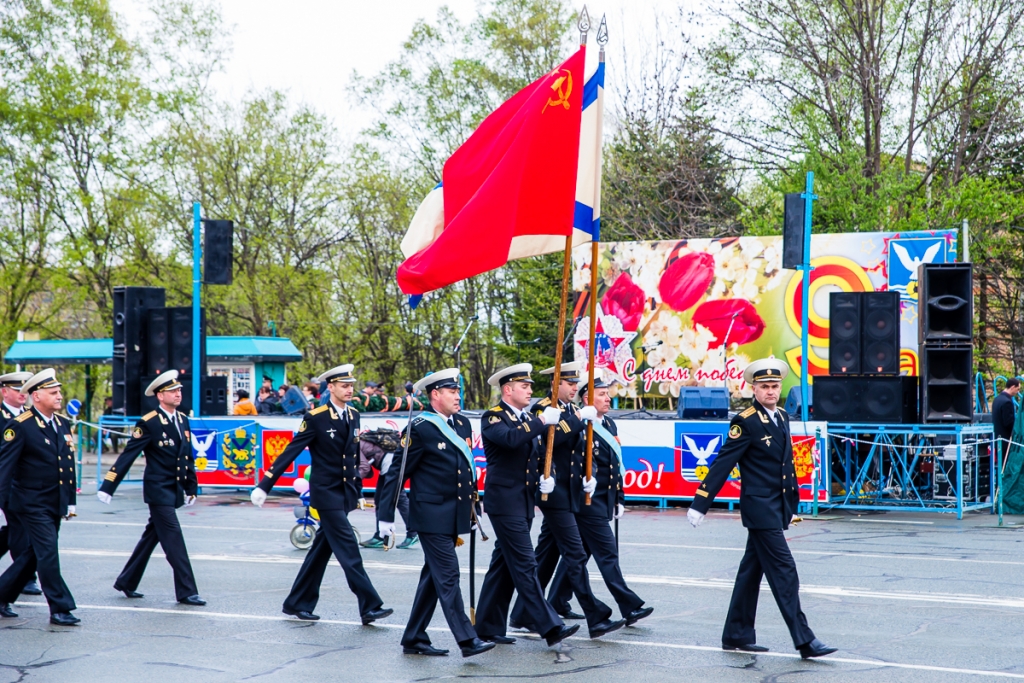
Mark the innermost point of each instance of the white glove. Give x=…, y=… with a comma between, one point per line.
x=385, y=529
x=105, y=498
x=3, y=519
x=385, y=464
x=547, y=484
x=620, y=510
x=258, y=497
x=589, y=485
x=694, y=517
x=190, y=501
x=551, y=416
x=588, y=413
x=71, y=512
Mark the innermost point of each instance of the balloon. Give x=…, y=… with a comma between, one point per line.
x=305, y=475
x=301, y=486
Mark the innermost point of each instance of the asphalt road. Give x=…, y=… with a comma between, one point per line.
x=905, y=597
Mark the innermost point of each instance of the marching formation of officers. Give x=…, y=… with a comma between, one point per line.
x=38, y=488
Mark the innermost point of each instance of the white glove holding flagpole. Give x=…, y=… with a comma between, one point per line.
x=258, y=497
x=620, y=510
x=551, y=416
x=547, y=484
x=588, y=413
x=589, y=485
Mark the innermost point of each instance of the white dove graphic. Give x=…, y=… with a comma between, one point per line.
x=201, y=447
x=702, y=454
x=911, y=264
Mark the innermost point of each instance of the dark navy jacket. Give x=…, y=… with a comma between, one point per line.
x=609, y=491
x=331, y=436
x=567, y=433
x=37, y=465
x=441, y=492
x=513, y=461
x=764, y=453
x=170, y=473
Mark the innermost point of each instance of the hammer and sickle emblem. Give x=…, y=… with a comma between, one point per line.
x=562, y=87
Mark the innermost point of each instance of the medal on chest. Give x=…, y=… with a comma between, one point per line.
x=332, y=431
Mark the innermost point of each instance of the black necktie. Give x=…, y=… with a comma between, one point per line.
x=451, y=423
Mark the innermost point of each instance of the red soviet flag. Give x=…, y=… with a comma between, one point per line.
x=514, y=177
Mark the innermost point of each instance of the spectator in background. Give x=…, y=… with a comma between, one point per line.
x=268, y=384
x=369, y=399
x=312, y=392
x=267, y=402
x=1004, y=414
x=243, y=406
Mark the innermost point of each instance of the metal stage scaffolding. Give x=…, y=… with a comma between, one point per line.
x=912, y=468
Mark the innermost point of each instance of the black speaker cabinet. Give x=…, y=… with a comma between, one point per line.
x=880, y=339
x=181, y=333
x=793, y=402
x=218, y=252
x=844, y=323
x=158, y=342
x=946, y=384
x=129, y=358
x=868, y=399
x=793, y=232
x=945, y=303
x=213, y=396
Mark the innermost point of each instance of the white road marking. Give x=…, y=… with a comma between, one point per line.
x=139, y=525
x=884, y=521
x=200, y=613
x=688, y=582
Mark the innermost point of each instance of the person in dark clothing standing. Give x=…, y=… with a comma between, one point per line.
x=12, y=406
x=37, y=490
x=1004, y=413
x=330, y=432
x=439, y=466
x=509, y=433
x=168, y=482
x=759, y=442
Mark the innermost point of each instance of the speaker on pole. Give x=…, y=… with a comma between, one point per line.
x=945, y=303
x=793, y=231
x=218, y=252
x=844, y=323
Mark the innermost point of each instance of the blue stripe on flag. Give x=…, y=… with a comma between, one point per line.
x=590, y=89
x=437, y=186
x=414, y=300
x=583, y=219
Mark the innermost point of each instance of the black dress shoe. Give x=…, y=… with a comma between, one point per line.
x=638, y=614
x=606, y=627
x=475, y=647
x=500, y=640
x=193, y=600
x=305, y=615
x=374, y=615
x=130, y=594
x=560, y=633
x=64, y=619
x=745, y=647
x=6, y=612
x=425, y=649
x=31, y=588
x=523, y=627
x=572, y=615
x=815, y=648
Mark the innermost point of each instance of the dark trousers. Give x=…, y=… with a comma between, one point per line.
x=564, y=536
x=163, y=528
x=439, y=580
x=41, y=530
x=513, y=568
x=767, y=555
x=403, y=509
x=599, y=542
x=334, y=537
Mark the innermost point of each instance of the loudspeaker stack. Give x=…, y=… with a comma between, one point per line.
x=945, y=335
x=864, y=383
x=131, y=305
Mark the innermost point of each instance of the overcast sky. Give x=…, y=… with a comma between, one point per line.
x=310, y=48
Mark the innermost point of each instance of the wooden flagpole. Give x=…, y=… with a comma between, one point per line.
x=602, y=40
x=584, y=26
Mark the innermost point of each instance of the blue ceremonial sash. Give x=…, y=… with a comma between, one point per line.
x=607, y=437
x=449, y=433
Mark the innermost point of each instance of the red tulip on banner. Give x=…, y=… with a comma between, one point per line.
x=718, y=315
x=686, y=280
x=625, y=301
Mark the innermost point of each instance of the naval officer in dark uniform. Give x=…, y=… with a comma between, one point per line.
x=331, y=433
x=759, y=443
x=168, y=482
x=559, y=535
x=442, y=494
x=13, y=405
x=607, y=503
x=37, y=490
x=509, y=434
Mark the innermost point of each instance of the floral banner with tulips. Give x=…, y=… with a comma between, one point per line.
x=697, y=312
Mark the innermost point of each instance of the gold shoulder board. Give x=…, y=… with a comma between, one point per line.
x=149, y=416
x=26, y=415
x=317, y=411
x=748, y=412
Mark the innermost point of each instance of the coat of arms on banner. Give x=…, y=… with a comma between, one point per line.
x=238, y=453
x=202, y=441
x=274, y=443
x=905, y=256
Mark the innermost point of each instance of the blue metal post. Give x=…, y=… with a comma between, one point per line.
x=808, y=197
x=197, y=290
